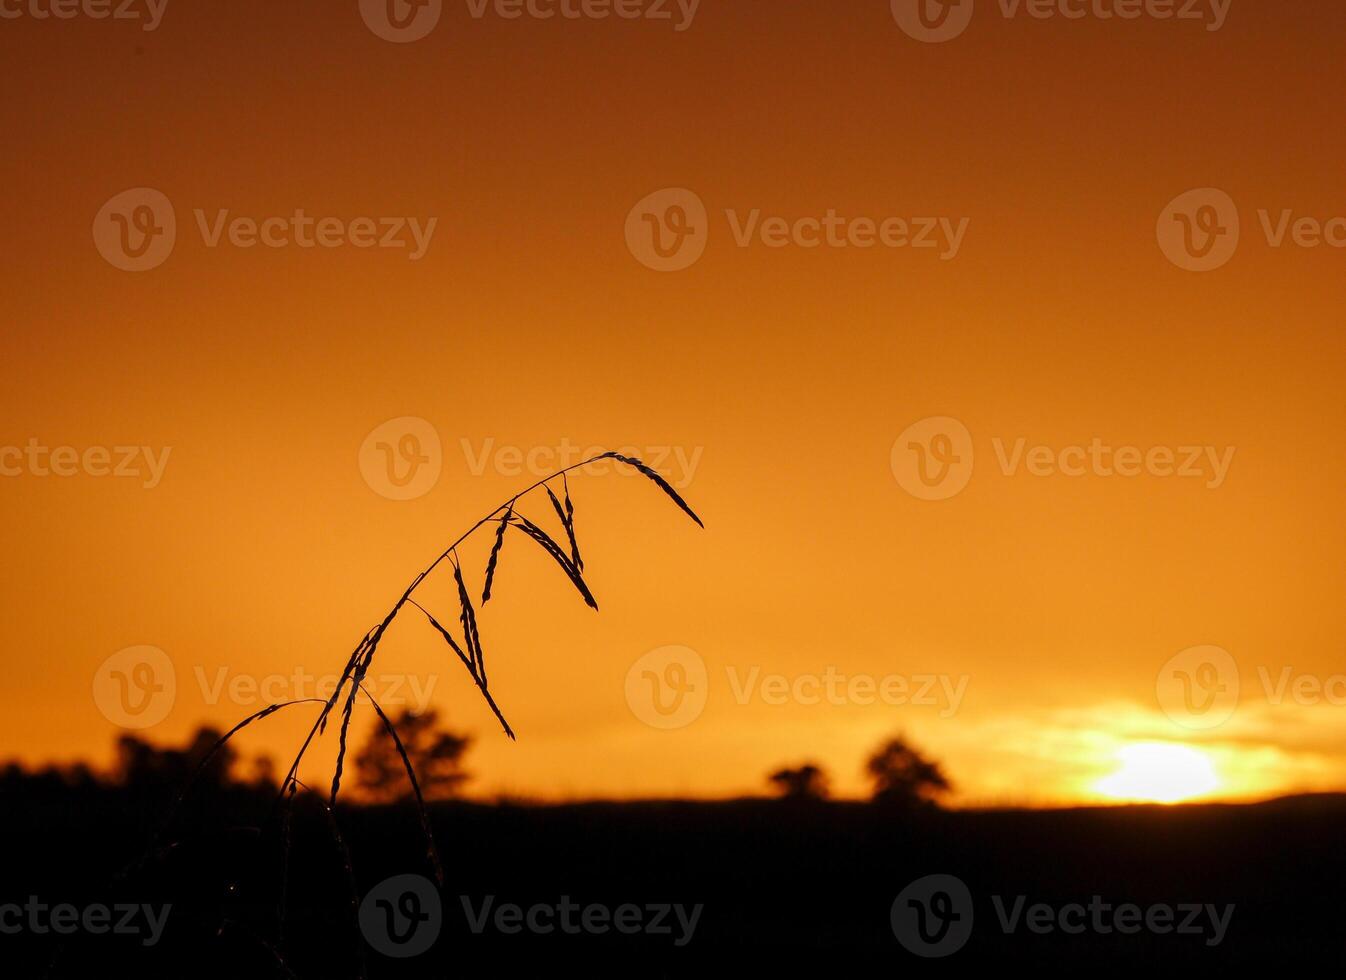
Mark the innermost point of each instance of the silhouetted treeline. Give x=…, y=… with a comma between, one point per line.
x=903, y=778
x=785, y=887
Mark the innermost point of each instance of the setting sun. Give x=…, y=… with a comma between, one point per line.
x=1159, y=772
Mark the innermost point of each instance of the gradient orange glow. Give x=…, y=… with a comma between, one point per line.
x=786, y=374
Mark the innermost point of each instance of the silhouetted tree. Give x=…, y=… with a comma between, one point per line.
x=17, y=781
x=903, y=777
x=143, y=767
x=807, y=782
x=436, y=756
x=153, y=775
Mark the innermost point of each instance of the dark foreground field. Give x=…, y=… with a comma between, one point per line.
x=785, y=887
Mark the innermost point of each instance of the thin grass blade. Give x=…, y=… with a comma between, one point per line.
x=495, y=554
x=553, y=549
x=468, y=617
x=663, y=484
x=431, y=851
x=570, y=525
x=566, y=515
x=448, y=638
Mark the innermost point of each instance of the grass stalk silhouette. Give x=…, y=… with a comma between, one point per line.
x=360, y=660
x=469, y=652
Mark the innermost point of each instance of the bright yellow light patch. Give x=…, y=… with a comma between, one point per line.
x=1159, y=772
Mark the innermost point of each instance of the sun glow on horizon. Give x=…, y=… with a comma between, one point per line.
x=1159, y=772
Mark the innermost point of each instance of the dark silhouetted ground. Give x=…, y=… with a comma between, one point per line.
x=787, y=887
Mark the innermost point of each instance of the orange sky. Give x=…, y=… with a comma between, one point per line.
x=786, y=374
